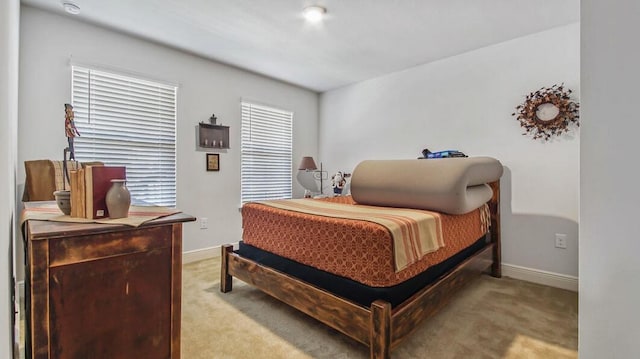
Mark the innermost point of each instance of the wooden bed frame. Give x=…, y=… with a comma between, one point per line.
x=380, y=327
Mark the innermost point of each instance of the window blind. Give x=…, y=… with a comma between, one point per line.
x=125, y=121
x=266, y=153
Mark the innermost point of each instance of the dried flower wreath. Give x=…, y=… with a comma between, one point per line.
x=548, y=112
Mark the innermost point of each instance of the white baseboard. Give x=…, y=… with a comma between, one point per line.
x=204, y=253
x=551, y=279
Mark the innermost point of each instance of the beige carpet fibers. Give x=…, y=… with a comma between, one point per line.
x=491, y=318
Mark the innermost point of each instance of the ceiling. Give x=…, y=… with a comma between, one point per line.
x=358, y=40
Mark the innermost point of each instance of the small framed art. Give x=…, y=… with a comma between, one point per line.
x=213, y=162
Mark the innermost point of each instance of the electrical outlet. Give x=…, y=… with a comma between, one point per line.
x=561, y=240
x=204, y=222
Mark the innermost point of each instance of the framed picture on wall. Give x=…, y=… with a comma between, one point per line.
x=213, y=162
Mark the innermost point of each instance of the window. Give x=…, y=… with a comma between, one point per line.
x=266, y=153
x=125, y=121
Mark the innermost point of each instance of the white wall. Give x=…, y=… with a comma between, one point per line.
x=205, y=87
x=609, y=196
x=465, y=102
x=9, y=32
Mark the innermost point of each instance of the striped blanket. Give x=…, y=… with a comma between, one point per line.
x=414, y=232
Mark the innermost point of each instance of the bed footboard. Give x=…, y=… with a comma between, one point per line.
x=379, y=327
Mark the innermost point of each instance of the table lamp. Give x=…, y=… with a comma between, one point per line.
x=309, y=165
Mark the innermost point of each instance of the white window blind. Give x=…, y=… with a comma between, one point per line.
x=266, y=153
x=125, y=121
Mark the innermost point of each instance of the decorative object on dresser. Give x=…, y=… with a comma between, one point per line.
x=548, y=112
x=103, y=290
x=118, y=199
x=71, y=132
x=63, y=196
x=213, y=162
x=63, y=200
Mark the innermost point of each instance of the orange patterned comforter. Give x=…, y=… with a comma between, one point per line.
x=355, y=249
x=414, y=232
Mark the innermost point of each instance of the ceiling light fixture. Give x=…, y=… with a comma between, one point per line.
x=71, y=8
x=314, y=13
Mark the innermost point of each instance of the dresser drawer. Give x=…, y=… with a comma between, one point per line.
x=64, y=251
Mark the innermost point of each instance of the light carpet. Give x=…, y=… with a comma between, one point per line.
x=490, y=318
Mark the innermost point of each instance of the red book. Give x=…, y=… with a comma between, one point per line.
x=97, y=183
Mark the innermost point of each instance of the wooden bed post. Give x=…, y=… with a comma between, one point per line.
x=494, y=209
x=380, y=330
x=226, y=281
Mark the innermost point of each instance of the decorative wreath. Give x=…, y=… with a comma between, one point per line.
x=548, y=112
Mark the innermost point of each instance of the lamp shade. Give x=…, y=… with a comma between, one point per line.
x=307, y=163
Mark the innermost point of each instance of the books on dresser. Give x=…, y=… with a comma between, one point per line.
x=89, y=188
x=76, y=180
x=97, y=183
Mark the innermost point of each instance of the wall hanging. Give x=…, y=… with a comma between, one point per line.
x=548, y=112
x=213, y=162
x=212, y=135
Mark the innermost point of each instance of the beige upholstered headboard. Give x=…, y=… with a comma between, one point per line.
x=449, y=185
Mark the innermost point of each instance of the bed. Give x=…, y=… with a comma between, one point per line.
x=377, y=320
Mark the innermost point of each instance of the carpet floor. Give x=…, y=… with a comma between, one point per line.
x=490, y=318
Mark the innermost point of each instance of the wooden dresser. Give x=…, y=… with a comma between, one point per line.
x=104, y=291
